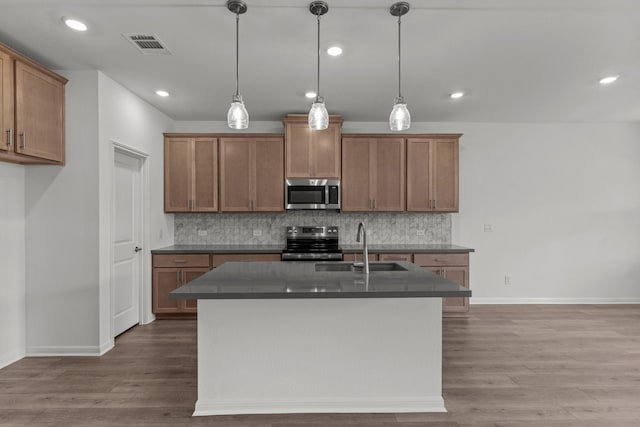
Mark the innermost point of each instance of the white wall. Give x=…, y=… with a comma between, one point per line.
x=62, y=233
x=12, y=263
x=127, y=120
x=68, y=217
x=562, y=199
x=564, y=204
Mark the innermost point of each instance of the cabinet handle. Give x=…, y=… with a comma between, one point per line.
x=23, y=137
x=374, y=203
x=193, y=204
x=434, y=203
x=178, y=277
x=182, y=276
x=9, y=137
x=179, y=261
x=251, y=204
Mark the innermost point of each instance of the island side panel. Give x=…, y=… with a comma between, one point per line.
x=319, y=355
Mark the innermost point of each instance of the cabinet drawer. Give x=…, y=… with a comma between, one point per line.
x=353, y=256
x=219, y=259
x=181, y=260
x=395, y=257
x=436, y=259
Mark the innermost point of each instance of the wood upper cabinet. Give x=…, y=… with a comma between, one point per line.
x=190, y=174
x=373, y=173
x=312, y=153
x=432, y=174
x=252, y=174
x=31, y=111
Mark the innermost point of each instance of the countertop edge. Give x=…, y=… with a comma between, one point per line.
x=211, y=249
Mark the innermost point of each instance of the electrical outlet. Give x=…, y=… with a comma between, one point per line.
x=488, y=228
x=257, y=233
x=507, y=280
x=420, y=232
x=202, y=232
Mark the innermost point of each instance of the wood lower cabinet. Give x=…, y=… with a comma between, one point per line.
x=170, y=271
x=451, y=266
x=432, y=174
x=190, y=174
x=373, y=174
x=358, y=256
x=251, y=174
x=396, y=257
x=312, y=153
x=32, y=102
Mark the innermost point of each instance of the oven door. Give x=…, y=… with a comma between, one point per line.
x=312, y=194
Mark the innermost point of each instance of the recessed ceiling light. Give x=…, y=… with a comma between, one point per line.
x=334, y=51
x=310, y=94
x=74, y=24
x=608, y=80
x=457, y=95
x=162, y=93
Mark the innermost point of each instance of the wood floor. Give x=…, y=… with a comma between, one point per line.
x=522, y=366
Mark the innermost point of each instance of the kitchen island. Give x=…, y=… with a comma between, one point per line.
x=284, y=337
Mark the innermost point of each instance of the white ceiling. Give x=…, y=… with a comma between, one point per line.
x=518, y=60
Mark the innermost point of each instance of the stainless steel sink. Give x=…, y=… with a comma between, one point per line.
x=373, y=266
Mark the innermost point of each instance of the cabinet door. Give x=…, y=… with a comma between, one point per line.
x=39, y=114
x=388, y=174
x=177, y=174
x=6, y=103
x=205, y=175
x=298, y=150
x=418, y=175
x=236, y=168
x=444, y=175
x=459, y=275
x=312, y=153
x=355, y=185
x=269, y=175
x=325, y=152
x=164, y=281
x=188, y=274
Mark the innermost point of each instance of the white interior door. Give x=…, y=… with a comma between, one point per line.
x=126, y=271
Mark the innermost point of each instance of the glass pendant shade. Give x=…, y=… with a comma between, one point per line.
x=318, y=115
x=399, y=119
x=237, y=117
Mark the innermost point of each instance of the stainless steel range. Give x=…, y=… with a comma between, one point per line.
x=312, y=243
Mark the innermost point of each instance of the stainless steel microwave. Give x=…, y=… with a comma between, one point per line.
x=323, y=194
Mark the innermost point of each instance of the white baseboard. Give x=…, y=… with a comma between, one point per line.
x=247, y=406
x=11, y=358
x=106, y=346
x=47, y=351
x=489, y=300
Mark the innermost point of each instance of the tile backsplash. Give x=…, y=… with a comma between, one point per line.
x=238, y=228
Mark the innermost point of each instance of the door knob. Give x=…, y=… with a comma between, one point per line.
x=137, y=249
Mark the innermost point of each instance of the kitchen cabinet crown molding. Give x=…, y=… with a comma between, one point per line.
x=26, y=60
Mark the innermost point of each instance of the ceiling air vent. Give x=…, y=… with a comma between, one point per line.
x=147, y=43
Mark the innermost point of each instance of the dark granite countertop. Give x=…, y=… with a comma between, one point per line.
x=220, y=249
x=268, y=280
x=373, y=248
x=408, y=248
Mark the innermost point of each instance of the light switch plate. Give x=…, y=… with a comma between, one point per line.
x=257, y=233
x=202, y=232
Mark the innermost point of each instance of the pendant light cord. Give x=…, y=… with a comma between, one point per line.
x=237, y=52
x=399, y=59
x=318, y=74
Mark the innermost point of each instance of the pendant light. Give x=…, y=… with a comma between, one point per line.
x=399, y=119
x=237, y=117
x=318, y=116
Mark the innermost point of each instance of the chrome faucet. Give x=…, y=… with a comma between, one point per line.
x=365, y=251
